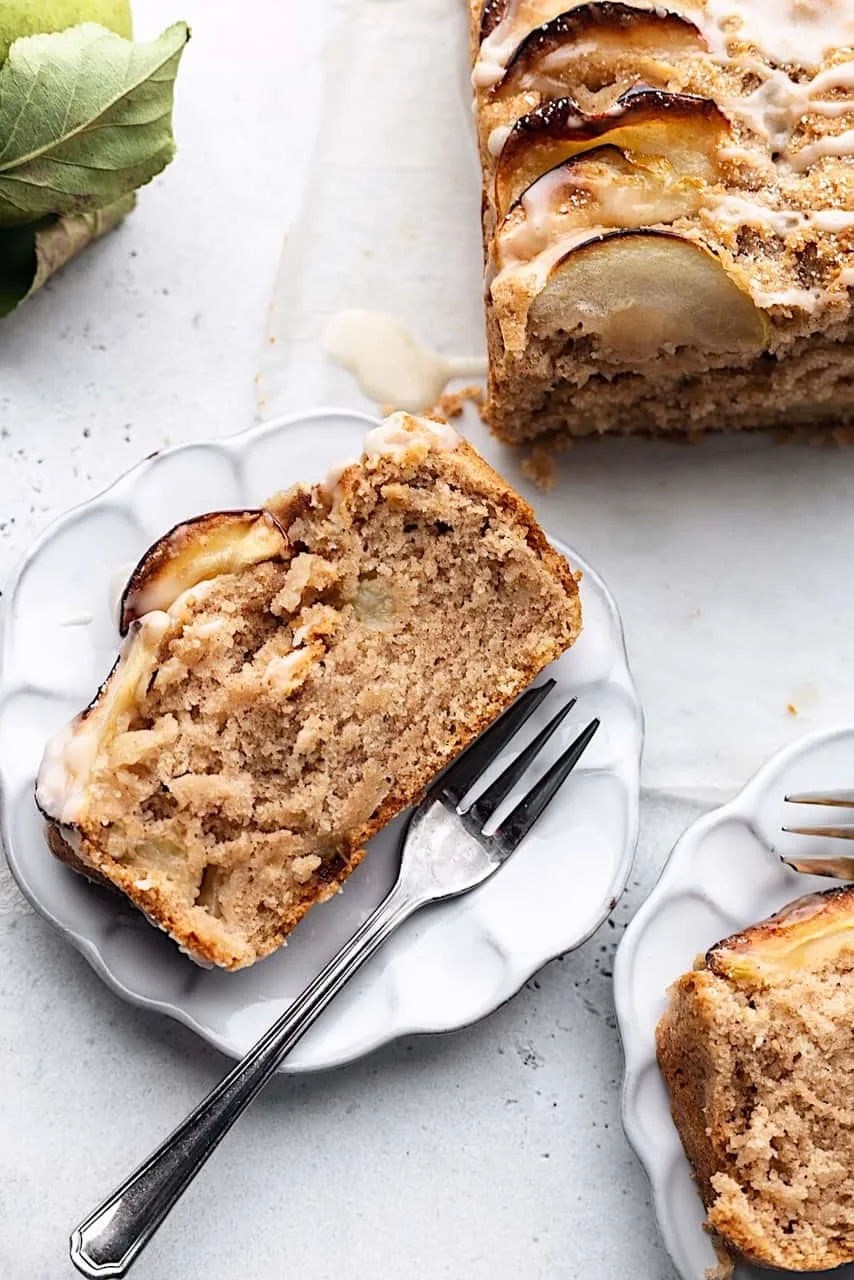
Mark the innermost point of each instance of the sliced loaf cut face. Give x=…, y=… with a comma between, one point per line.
x=291, y=678
x=757, y=1049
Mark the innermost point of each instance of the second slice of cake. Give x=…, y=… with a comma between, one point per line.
x=757, y=1051
x=292, y=677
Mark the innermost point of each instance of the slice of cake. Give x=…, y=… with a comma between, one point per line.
x=757, y=1049
x=667, y=214
x=292, y=677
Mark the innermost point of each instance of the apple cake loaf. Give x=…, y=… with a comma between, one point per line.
x=668, y=214
x=757, y=1051
x=292, y=677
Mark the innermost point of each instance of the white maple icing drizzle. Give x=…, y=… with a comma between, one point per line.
x=786, y=31
x=803, y=299
x=497, y=138
x=548, y=213
x=81, y=619
x=833, y=219
x=839, y=144
x=779, y=103
x=791, y=32
x=846, y=277
x=529, y=235
x=736, y=211
x=70, y=755
x=389, y=364
x=116, y=589
x=393, y=437
x=497, y=49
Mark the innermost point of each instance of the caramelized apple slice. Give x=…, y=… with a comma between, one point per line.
x=200, y=549
x=807, y=934
x=503, y=24
x=639, y=292
x=684, y=129
x=521, y=15
x=599, y=188
x=596, y=46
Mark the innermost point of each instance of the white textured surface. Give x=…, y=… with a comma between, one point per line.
x=724, y=874
x=444, y=969
x=495, y=1153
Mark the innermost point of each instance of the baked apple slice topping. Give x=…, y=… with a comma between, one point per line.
x=810, y=932
x=686, y=130
x=503, y=24
x=642, y=292
x=598, y=188
x=196, y=551
x=600, y=46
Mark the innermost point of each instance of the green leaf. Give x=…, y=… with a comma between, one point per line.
x=30, y=254
x=85, y=118
x=23, y=18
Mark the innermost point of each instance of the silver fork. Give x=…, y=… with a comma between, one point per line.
x=838, y=868
x=445, y=853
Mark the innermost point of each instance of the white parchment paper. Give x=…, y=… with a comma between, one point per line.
x=730, y=560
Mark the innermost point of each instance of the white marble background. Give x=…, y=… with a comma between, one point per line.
x=495, y=1153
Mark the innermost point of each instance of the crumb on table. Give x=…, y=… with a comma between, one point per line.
x=451, y=403
x=540, y=466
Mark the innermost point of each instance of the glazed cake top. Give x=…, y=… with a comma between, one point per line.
x=781, y=212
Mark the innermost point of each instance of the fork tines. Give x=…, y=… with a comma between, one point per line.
x=839, y=868
x=473, y=763
x=827, y=799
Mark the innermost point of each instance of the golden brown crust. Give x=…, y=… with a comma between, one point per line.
x=803, y=916
x=683, y=1040
x=90, y=862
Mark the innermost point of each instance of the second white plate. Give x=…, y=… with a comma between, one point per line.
x=446, y=967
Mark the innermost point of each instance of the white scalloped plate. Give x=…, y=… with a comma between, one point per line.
x=723, y=875
x=446, y=967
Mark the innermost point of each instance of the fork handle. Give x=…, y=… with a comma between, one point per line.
x=109, y=1240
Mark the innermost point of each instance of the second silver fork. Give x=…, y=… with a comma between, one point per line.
x=840, y=867
x=445, y=853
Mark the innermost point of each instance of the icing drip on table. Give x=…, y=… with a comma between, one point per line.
x=389, y=364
